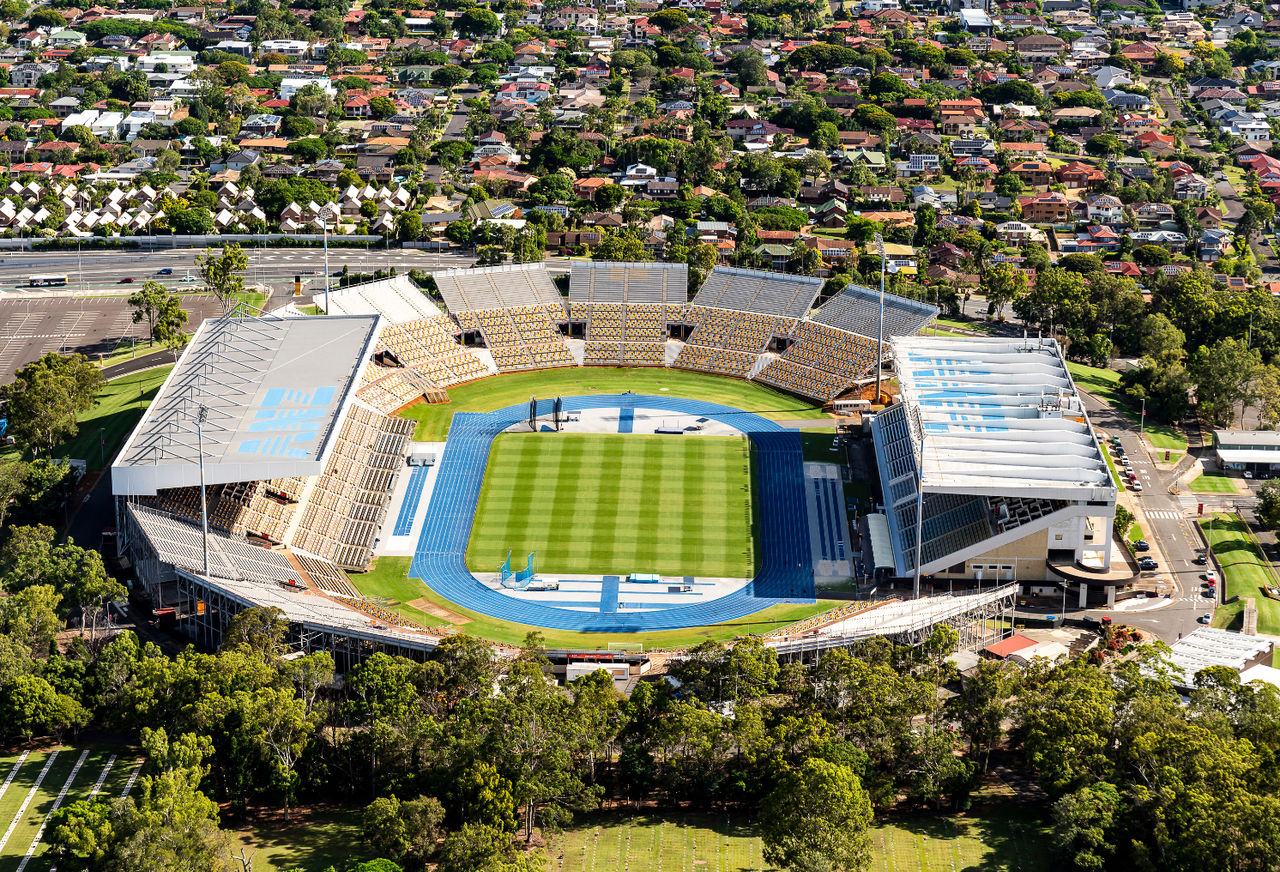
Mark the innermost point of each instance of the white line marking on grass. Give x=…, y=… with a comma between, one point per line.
x=31, y=794
x=102, y=776
x=13, y=773
x=62, y=794
x=133, y=776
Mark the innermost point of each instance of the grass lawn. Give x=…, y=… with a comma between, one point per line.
x=1134, y=534
x=1245, y=570
x=315, y=839
x=957, y=324
x=611, y=504
x=105, y=427
x=28, y=825
x=1115, y=476
x=127, y=351
x=496, y=392
x=1004, y=839
x=1105, y=384
x=1214, y=483
x=389, y=580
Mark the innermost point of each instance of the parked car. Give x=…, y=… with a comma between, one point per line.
x=1206, y=618
x=1248, y=474
x=1201, y=559
x=1147, y=564
x=1210, y=576
x=1135, y=487
x=1142, y=545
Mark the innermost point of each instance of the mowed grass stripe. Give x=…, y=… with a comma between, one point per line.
x=612, y=504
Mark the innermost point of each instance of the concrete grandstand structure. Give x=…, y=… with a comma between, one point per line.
x=992, y=446
x=288, y=422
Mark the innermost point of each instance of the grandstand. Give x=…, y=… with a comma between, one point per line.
x=992, y=446
x=516, y=308
x=593, y=282
x=857, y=310
x=396, y=299
x=766, y=293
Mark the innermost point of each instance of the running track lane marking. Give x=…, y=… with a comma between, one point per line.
x=13, y=773
x=62, y=794
x=31, y=794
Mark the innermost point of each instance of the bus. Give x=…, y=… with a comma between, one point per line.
x=47, y=281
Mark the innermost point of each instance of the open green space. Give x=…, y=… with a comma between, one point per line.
x=1134, y=534
x=388, y=580
x=1004, y=839
x=104, y=428
x=1214, y=483
x=1245, y=570
x=1105, y=384
x=27, y=826
x=313, y=840
x=127, y=350
x=608, y=504
x=488, y=394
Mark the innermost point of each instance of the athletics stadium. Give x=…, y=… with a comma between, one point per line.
x=614, y=466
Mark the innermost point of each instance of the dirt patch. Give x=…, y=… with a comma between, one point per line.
x=427, y=607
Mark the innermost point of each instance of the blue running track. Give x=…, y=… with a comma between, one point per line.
x=409, y=508
x=626, y=420
x=786, y=563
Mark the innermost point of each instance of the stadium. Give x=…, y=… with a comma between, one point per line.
x=618, y=466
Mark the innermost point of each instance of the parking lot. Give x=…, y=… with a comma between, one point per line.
x=35, y=325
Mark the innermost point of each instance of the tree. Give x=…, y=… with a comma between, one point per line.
x=1160, y=340
x=983, y=705
x=817, y=820
x=408, y=226
x=1151, y=255
x=872, y=117
x=668, y=20
x=196, y=221
x=1083, y=824
x=29, y=706
x=405, y=831
x=148, y=303
x=1268, y=506
x=478, y=21
x=383, y=107
x=47, y=396
x=480, y=848
x=169, y=323
x=1004, y=284
x=1223, y=374
x=1104, y=145
x=449, y=76
x=222, y=272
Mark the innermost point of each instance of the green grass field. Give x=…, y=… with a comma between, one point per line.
x=612, y=504
x=1245, y=571
x=104, y=428
x=1003, y=839
x=998, y=840
x=27, y=821
x=1214, y=483
x=488, y=394
x=389, y=580
x=1105, y=384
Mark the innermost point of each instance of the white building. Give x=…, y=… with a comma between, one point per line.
x=991, y=441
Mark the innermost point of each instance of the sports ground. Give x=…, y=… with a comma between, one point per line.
x=610, y=504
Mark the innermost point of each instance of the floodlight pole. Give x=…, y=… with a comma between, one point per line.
x=204, y=507
x=880, y=335
x=324, y=224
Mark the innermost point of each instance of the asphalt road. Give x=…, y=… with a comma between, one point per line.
x=1167, y=526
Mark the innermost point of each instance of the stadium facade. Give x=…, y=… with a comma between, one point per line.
x=289, y=421
x=991, y=444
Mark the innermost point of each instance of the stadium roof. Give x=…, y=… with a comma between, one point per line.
x=274, y=391
x=999, y=417
x=397, y=299
x=497, y=287
x=177, y=542
x=751, y=290
x=608, y=282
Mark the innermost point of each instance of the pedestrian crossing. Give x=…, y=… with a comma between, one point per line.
x=1162, y=515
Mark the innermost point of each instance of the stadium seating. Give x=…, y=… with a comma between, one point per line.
x=857, y=310
x=750, y=290
x=347, y=504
